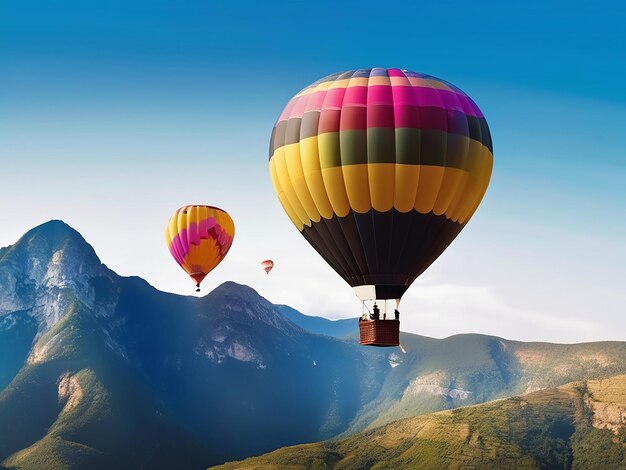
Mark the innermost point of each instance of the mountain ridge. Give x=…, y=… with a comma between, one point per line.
x=568, y=427
x=228, y=373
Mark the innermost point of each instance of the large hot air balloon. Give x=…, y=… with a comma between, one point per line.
x=267, y=265
x=380, y=169
x=198, y=238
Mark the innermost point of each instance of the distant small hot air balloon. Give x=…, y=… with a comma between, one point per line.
x=380, y=169
x=267, y=265
x=198, y=238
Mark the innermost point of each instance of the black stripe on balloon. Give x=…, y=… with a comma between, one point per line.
x=328, y=236
x=351, y=234
x=393, y=257
x=365, y=227
x=316, y=241
x=441, y=240
x=383, y=225
x=400, y=238
x=436, y=236
x=486, y=135
x=343, y=244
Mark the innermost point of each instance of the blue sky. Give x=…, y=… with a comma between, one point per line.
x=115, y=113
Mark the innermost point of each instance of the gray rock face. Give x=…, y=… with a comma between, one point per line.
x=50, y=267
x=244, y=303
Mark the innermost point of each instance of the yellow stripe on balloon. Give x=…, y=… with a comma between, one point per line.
x=287, y=186
x=311, y=167
x=430, y=178
x=355, y=178
x=296, y=176
x=281, y=196
x=405, y=186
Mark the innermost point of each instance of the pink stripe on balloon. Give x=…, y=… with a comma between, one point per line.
x=379, y=94
x=395, y=73
x=334, y=98
x=338, y=98
x=298, y=107
x=202, y=228
x=178, y=249
x=194, y=233
x=287, y=111
x=404, y=95
x=176, y=256
x=355, y=96
x=314, y=101
x=183, y=240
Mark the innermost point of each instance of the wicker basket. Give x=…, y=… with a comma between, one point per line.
x=380, y=332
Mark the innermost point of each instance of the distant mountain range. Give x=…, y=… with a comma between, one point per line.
x=576, y=426
x=103, y=371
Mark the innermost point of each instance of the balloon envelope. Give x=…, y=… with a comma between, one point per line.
x=198, y=237
x=380, y=169
x=267, y=265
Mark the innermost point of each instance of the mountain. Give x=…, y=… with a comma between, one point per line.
x=99, y=370
x=343, y=329
x=108, y=371
x=576, y=426
x=469, y=369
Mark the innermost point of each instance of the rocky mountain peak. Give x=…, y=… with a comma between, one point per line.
x=239, y=301
x=47, y=268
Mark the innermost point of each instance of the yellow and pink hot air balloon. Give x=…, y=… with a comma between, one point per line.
x=198, y=238
x=267, y=265
x=380, y=169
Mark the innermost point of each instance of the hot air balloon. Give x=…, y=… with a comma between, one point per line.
x=267, y=265
x=198, y=238
x=380, y=169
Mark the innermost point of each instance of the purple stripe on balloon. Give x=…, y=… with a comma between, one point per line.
x=468, y=108
x=451, y=100
x=457, y=123
x=424, y=96
x=463, y=103
x=378, y=72
x=474, y=107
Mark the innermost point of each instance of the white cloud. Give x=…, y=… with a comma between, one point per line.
x=441, y=309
